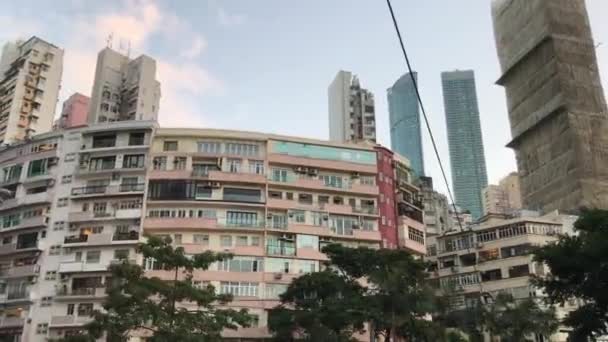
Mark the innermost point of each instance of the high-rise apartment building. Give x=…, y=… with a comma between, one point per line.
x=464, y=136
x=556, y=103
x=124, y=88
x=497, y=257
x=504, y=198
x=404, y=117
x=437, y=219
x=74, y=111
x=351, y=110
x=74, y=201
x=74, y=206
x=30, y=77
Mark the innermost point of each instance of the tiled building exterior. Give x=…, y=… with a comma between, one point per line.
x=74, y=201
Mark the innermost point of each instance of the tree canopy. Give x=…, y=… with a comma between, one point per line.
x=579, y=269
x=174, y=310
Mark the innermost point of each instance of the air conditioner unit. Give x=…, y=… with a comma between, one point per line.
x=53, y=161
x=278, y=276
x=216, y=185
x=300, y=169
x=325, y=217
x=355, y=175
x=269, y=216
x=290, y=214
x=313, y=172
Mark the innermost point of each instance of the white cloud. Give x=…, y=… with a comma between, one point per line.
x=197, y=47
x=230, y=19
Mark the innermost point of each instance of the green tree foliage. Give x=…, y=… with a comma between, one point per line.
x=163, y=310
x=517, y=320
x=321, y=306
x=579, y=269
x=385, y=288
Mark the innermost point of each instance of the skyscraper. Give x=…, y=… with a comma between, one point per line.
x=74, y=112
x=351, y=110
x=124, y=88
x=404, y=116
x=504, y=198
x=467, y=158
x=557, y=109
x=30, y=77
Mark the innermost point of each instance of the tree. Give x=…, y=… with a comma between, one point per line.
x=514, y=320
x=579, y=269
x=321, y=306
x=163, y=310
x=384, y=288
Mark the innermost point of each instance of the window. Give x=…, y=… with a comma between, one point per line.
x=210, y=147
x=342, y=225
x=203, y=191
x=11, y=173
x=256, y=166
x=70, y=311
x=179, y=163
x=255, y=241
x=102, y=163
x=85, y=309
x=307, y=241
x=93, y=257
x=133, y=161
x=278, y=265
x=170, y=146
x=279, y=175
x=177, y=239
x=278, y=221
x=37, y=167
x=46, y=301
x=159, y=163
x=247, y=150
x=121, y=254
x=333, y=181
x=50, y=275
x=486, y=236
x=239, y=288
x=275, y=194
x=62, y=202
x=55, y=250
x=136, y=139
x=322, y=199
x=415, y=235
x=305, y=199
x=42, y=328
x=298, y=216
x=201, y=239
x=241, y=264
x=70, y=157
x=242, y=240
x=226, y=241
x=66, y=179
x=273, y=291
x=519, y=271
x=241, y=219
x=59, y=225
x=106, y=140
x=234, y=165
x=488, y=255
x=242, y=195
x=307, y=266
x=367, y=180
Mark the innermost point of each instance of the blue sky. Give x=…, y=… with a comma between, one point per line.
x=266, y=65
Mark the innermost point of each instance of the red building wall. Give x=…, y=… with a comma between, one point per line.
x=386, y=200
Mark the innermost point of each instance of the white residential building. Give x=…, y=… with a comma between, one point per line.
x=124, y=88
x=30, y=78
x=351, y=110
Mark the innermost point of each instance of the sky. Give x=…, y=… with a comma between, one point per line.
x=266, y=65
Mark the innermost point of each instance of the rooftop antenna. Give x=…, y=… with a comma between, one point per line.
x=109, y=40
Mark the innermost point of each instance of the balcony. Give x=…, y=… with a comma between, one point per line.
x=89, y=216
x=80, y=266
x=232, y=177
x=294, y=180
x=20, y=247
x=12, y=322
x=75, y=239
x=130, y=236
x=93, y=191
x=81, y=293
x=42, y=197
x=284, y=159
x=69, y=321
x=34, y=222
x=281, y=250
x=202, y=223
x=20, y=271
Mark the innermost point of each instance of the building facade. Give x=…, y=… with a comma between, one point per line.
x=74, y=201
x=29, y=86
x=504, y=198
x=124, y=89
x=352, y=115
x=496, y=257
x=556, y=102
x=437, y=219
x=405, y=125
x=74, y=111
x=467, y=157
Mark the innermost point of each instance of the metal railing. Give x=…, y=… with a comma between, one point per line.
x=280, y=250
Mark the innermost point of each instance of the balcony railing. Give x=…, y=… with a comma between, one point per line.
x=21, y=294
x=131, y=187
x=281, y=250
x=107, y=189
x=83, y=291
x=76, y=239
x=133, y=235
x=89, y=190
x=365, y=210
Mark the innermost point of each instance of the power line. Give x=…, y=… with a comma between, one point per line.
x=426, y=120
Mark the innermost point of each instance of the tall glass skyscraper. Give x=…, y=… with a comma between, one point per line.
x=467, y=158
x=404, y=116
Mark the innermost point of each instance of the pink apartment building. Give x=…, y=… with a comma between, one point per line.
x=74, y=111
